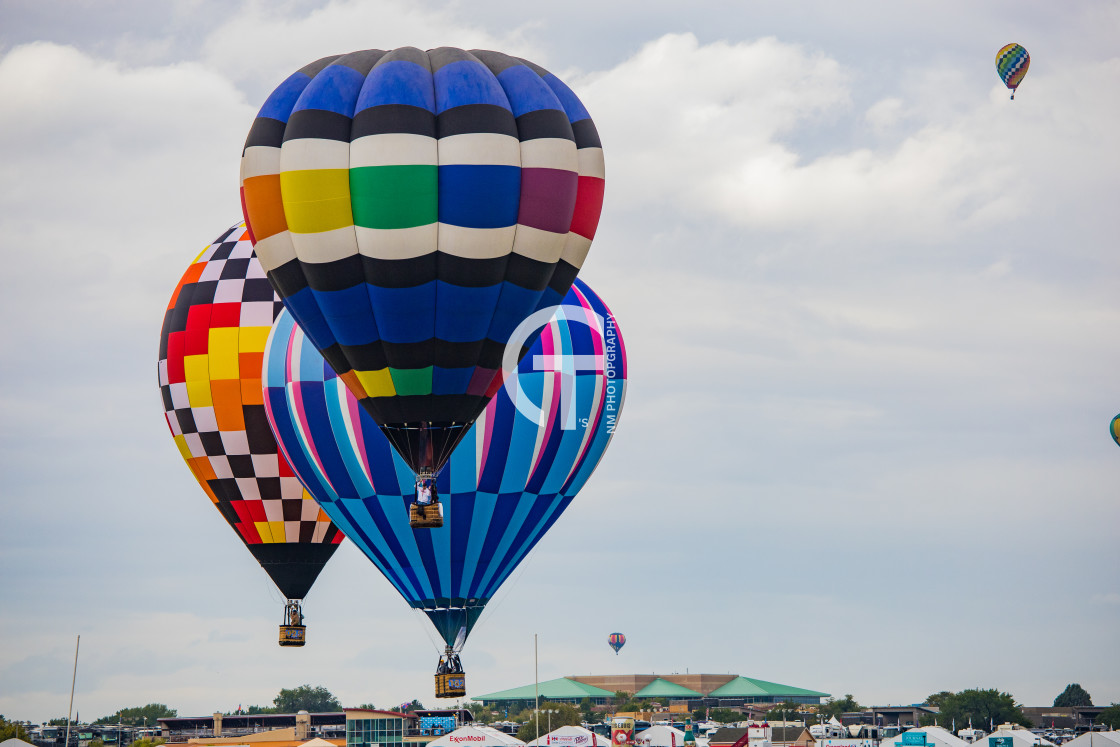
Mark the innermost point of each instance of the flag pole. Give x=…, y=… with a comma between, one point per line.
x=73, y=680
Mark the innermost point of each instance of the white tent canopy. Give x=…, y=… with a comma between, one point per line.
x=476, y=735
x=659, y=736
x=571, y=736
x=1020, y=737
x=934, y=735
x=1096, y=739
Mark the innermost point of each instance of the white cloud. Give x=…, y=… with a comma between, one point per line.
x=857, y=306
x=261, y=44
x=713, y=130
x=885, y=113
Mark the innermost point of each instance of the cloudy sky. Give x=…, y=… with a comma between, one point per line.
x=870, y=304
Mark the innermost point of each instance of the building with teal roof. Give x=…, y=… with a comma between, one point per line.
x=560, y=690
x=662, y=688
x=714, y=690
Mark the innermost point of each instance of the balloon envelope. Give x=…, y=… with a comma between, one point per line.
x=616, y=641
x=210, y=354
x=504, y=486
x=412, y=208
x=1114, y=429
x=1012, y=62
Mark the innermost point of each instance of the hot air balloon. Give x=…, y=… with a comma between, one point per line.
x=210, y=355
x=521, y=464
x=616, y=641
x=1012, y=62
x=1114, y=429
x=412, y=208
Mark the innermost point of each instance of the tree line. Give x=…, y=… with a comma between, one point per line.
x=980, y=707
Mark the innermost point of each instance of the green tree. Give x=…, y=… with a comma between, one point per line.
x=982, y=707
x=833, y=707
x=725, y=715
x=563, y=714
x=139, y=715
x=255, y=709
x=482, y=713
x=1110, y=716
x=412, y=707
x=786, y=711
x=938, y=698
x=368, y=707
x=306, y=698
x=148, y=742
x=12, y=730
x=1073, y=695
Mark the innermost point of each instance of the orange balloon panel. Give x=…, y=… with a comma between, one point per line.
x=211, y=351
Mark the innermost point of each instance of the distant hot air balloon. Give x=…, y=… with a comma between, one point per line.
x=505, y=485
x=210, y=354
x=616, y=641
x=412, y=208
x=1012, y=62
x=1114, y=429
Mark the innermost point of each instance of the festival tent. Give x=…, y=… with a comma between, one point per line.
x=659, y=736
x=476, y=735
x=1088, y=739
x=935, y=737
x=572, y=736
x=1020, y=738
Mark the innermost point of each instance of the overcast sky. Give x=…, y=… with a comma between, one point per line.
x=871, y=307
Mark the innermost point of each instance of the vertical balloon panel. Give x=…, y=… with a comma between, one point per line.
x=505, y=485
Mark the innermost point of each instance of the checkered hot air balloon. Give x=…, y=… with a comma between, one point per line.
x=210, y=360
x=1012, y=62
x=516, y=471
x=616, y=641
x=412, y=208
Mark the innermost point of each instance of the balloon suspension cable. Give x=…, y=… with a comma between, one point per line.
x=449, y=662
x=427, y=632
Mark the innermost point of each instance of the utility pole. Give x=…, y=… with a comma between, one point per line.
x=73, y=680
x=536, y=686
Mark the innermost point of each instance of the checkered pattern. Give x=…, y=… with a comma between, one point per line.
x=211, y=350
x=1012, y=62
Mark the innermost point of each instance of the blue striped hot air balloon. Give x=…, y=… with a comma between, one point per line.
x=524, y=460
x=412, y=208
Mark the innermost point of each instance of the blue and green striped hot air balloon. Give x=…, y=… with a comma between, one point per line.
x=519, y=467
x=412, y=208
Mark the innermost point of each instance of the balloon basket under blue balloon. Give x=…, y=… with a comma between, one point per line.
x=428, y=516
x=451, y=685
